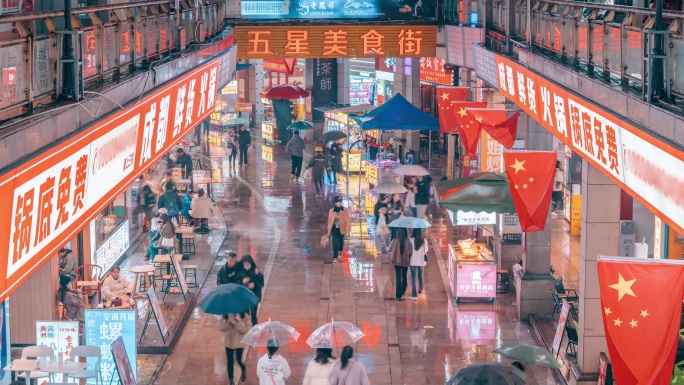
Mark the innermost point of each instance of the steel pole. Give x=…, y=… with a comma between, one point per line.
x=68, y=56
x=657, y=64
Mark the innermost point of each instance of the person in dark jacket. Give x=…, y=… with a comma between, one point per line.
x=422, y=191
x=231, y=272
x=184, y=161
x=319, y=164
x=254, y=280
x=336, y=151
x=295, y=147
x=185, y=209
x=383, y=201
x=170, y=201
x=244, y=141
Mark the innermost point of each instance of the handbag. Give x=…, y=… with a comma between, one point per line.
x=325, y=241
x=381, y=228
x=425, y=257
x=167, y=242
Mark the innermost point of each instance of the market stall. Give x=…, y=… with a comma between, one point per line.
x=338, y=120
x=472, y=270
x=380, y=170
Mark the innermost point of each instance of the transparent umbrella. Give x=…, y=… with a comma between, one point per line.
x=335, y=334
x=271, y=333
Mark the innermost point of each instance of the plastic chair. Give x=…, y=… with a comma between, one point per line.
x=91, y=273
x=87, y=351
x=571, y=349
x=36, y=353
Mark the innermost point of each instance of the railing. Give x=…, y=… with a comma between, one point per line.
x=109, y=41
x=604, y=40
x=465, y=13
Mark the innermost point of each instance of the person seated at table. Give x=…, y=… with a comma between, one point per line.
x=167, y=235
x=117, y=290
x=168, y=177
x=201, y=209
x=74, y=305
x=67, y=267
x=187, y=203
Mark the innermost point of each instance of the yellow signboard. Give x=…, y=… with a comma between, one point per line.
x=267, y=130
x=372, y=174
x=490, y=154
x=575, y=214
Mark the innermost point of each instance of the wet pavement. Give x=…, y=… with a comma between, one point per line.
x=280, y=223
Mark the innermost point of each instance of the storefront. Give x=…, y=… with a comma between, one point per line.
x=432, y=75
x=89, y=181
x=384, y=73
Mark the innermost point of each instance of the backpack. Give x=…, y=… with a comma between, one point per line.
x=172, y=205
x=148, y=196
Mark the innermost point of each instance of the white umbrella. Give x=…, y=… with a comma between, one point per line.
x=411, y=170
x=390, y=188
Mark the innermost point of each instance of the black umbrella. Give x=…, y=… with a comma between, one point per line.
x=332, y=135
x=484, y=373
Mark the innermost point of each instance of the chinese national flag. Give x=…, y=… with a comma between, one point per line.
x=641, y=304
x=446, y=96
x=466, y=125
x=496, y=124
x=530, y=177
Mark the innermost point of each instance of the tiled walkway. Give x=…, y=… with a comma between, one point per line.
x=280, y=223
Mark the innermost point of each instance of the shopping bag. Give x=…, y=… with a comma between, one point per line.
x=307, y=174
x=325, y=241
x=381, y=228
x=167, y=242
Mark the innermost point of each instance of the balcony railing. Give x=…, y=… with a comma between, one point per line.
x=109, y=41
x=604, y=40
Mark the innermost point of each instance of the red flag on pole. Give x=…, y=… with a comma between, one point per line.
x=496, y=124
x=465, y=125
x=446, y=96
x=641, y=305
x=530, y=178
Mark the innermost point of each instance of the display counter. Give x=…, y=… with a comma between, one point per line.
x=269, y=131
x=355, y=161
x=472, y=271
x=380, y=171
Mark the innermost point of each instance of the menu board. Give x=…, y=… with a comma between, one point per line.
x=156, y=311
x=560, y=329
x=179, y=274
x=605, y=375
x=123, y=365
x=118, y=242
x=267, y=131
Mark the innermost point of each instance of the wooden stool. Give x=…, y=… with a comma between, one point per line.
x=190, y=271
x=502, y=282
x=142, y=279
x=183, y=221
x=188, y=245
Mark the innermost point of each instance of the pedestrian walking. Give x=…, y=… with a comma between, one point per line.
x=272, y=368
x=295, y=147
x=395, y=211
x=339, y=225
x=348, y=371
x=319, y=165
x=170, y=201
x=410, y=203
x=252, y=278
x=231, y=272
x=244, y=141
x=153, y=236
x=320, y=369
x=557, y=193
x=383, y=201
x=418, y=261
x=146, y=200
x=400, y=253
x=234, y=328
x=422, y=195
x=336, y=151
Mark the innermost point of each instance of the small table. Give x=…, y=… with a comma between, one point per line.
x=27, y=366
x=66, y=368
x=185, y=230
x=145, y=271
x=89, y=285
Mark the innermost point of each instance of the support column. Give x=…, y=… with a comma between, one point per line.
x=343, y=81
x=410, y=69
x=256, y=77
x=600, y=235
x=533, y=293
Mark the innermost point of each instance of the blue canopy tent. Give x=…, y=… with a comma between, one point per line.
x=398, y=114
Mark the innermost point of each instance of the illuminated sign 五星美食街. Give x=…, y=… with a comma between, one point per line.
x=338, y=41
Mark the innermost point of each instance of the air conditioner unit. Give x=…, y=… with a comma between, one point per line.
x=627, y=238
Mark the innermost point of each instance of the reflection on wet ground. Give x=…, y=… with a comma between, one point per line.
x=280, y=223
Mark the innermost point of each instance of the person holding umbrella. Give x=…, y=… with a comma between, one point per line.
x=395, y=210
x=253, y=279
x=339, y=225
x=418, y=260
x=336, y=150
x=272, y=368
x=234, y=327
x=244, y=141
x=422, y=198
x=319, y=164
x=400, y=253
x=295, y=147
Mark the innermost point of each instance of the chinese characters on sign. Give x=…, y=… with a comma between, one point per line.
x=476, y=325
x=61, y=336
x=115, y=245
x=324, y=88
x=336, y=41
x=476, y=280
x=471, y=218
x=432, y=70
x=490, y=153
x=336, y=9
x=102, y=328
x=639, y=163
x=49, y=200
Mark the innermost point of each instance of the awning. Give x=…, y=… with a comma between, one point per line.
x=358, y=109
x=484, y=192
x=241, y=66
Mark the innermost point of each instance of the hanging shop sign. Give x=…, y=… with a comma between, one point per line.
x=283, y=66
x=336, y=41
x=470, y=218
x=48, y=200
x=335, y=9
x=648, y=168
x=490, y=154
x=388, y=64
x=102, y=328
x=432, y=71
x=230, y=89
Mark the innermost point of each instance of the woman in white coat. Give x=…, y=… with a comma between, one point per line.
x=320, y=369
x=418, y=259
x=117, y=287
x=201, y=209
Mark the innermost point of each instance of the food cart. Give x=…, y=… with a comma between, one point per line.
x=381, y=170
x=472, y=271
x=338, y=120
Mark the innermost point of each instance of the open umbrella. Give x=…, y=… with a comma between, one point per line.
x=390, y=188
x=410, y=223
x=484, y=192
x=335, y=334
x=332, y=135
x=485, y=373
x=236, y=122
x=528, y=353
x=300, y=126
x=271, y=333
x=286, y=92
x=411, y=170
x=230, y=298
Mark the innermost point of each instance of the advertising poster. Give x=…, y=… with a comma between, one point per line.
x=102, y=328
x=337, y=9
x=61, y=336
x=158, y=315
x=560, y=329
x=123, y=364
x=476, y=281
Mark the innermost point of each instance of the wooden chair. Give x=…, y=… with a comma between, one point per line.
x=92, y=276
